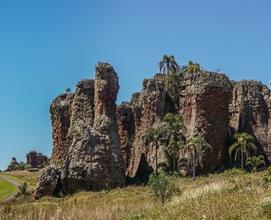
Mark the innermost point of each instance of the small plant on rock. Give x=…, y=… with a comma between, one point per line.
x=243, y=144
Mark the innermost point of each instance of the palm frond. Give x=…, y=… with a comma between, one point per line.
x=233, y=147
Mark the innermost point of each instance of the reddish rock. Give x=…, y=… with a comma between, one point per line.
x=13, y=165
x=250, y=111
x=145, y=110
x=126, y=128
x=36, y=160
x=86, y=139
x=60, y=116
x=204, y=102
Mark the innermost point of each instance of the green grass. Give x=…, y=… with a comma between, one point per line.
x=24, y=176
x=233, y=195
x=6, y=189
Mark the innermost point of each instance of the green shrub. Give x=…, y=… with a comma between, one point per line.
x=265, y=207
x=23, y=189
x=164, y=187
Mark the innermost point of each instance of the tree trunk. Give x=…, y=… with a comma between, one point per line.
x=156, y=158
x=194, y=165
x=174, y=163
x=242, y=159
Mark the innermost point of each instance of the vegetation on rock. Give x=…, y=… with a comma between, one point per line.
x=195, y=147
x=243, y=144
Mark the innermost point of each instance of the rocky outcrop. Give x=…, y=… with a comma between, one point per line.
x=13, y=165
x=36, y=160
x=49, y=182
x=145, y=110
x=60, y=116
x=204, y=103
x=86, y=138
x=96, y=142
x=250, y=111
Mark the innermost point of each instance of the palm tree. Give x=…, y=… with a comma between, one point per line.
x=154, y=137
x=168, y=65
x=174, y=139
x=193, y=67
x=255, y=162
x=243, y=143
x=195, y=146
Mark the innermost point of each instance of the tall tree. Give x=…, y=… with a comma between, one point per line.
x=168, y=65
x=195, y=147
x=175, y=138
x=154, y=137
x=243, y=143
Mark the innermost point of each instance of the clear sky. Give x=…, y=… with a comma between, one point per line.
x=47, y=46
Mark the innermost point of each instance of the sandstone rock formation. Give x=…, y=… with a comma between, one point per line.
x=145, y=110
x=36, y=160
x=87, y=153
x=204, y=104
x=96, y=142
x=60, y=115
x=250, y=111
x=13, y=164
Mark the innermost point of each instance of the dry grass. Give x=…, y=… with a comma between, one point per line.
x=24, y=176
x=232, y=195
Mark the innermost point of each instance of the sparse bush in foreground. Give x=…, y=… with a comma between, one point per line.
x=23, y=189
x=265, y=206
x=164, y=187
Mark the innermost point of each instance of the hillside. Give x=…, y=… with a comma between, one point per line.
x=6, y=189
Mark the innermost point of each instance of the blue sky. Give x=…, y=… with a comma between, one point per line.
x=47, y=46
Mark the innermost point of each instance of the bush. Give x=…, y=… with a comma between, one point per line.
x=23, y=189
x=164, y=187
x=265, y=206
x=267, y=177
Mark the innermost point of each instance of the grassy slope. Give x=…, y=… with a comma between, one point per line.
x=24, y=176
x=232, y=195
x=6, y=189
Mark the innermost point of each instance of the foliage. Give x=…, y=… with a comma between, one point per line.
x=170, y=68
x=195, y=147
x=134, y=202
x=242, y=145
x=267, y=177
x=174, y=138
x=155, y=137
x=265, y=206
x=168, y=65
x=193, y=67
x=23, y=189
x=164, y=187
x=255, y=162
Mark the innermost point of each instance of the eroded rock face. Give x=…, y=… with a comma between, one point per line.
x=49, y=182
x=13, y=164
x=36, y=160
x=204, y=101
x=126, y=128
x=60, y=116
x=250, y=111
x=86, y=132
x=145, y=110
x=96, y=143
